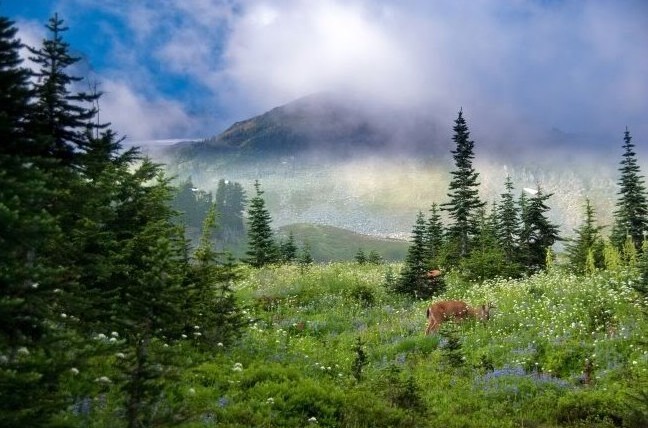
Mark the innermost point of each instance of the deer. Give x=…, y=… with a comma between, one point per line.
x=445, y=310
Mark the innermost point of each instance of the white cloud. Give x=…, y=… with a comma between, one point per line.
x=139, y=118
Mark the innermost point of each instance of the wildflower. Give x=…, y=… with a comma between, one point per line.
x=74, y=371
x=219, y=344
x=238, y=367
x=22, y=351
x=192, y=391
x=312, y=420
x=120, y=355
x=114, y=334
x=103, y=379
x=196, y=327
x=35, y=285
x=184, y=336
x=63, y=315
x=270, y=400
x=112, y=340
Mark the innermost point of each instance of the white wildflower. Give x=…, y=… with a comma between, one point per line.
x=114, y=334
x=22, y=351
x=103, y=379
x=120, y=355
x=219, y=344
x=74, y=371
x=312, y=420
x=192, y=391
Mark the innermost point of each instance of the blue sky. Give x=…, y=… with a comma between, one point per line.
x=189, y=68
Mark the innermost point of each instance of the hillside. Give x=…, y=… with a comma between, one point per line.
x=328, y=243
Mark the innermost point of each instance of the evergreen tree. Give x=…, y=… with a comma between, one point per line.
x=305, y=257
x=538, y=234
x=434, y=235
x=230, y=202
x=488, y=259
x=413, y=279
x=288, y=249
x=508, y=223
x=631, y=215
x=213, y=314
x=374, y=258
x=464, y=204
x=262, y=249
x=60, y=118
x=35, y=351
x=360, y=257
x=586, y=248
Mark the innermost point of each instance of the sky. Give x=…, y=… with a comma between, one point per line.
x=174, y=69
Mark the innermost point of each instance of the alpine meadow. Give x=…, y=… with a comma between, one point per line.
x=331, y=262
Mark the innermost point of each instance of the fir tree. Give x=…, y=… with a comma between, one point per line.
x=262, y=249
x=434, y=235
x=60, y=118
x=413, y=279
x=360, y=257
x=464, y=204
x=374, y=258
x=508, y=223
x=488, y=259
x=631, y=215
x=35, y=350
x=586, y=248
x=538, y=234
x=288, y=249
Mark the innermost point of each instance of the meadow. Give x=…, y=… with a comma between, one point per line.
x=331, y=345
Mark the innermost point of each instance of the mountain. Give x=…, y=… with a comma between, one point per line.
x=327, y=125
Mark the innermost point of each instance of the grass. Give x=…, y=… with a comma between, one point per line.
x=298, y=363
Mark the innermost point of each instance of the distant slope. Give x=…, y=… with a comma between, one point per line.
x=328, y=243
x=322, y=124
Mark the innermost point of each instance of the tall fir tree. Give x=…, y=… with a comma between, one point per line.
x=464, y=204
x=508, y=223
x=538, y=234
x=262, y=248
x=288, y=249
x=487, y=259
x=631, y=214
x=585, y=250
x=35, y=350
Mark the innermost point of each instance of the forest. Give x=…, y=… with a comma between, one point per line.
x=119, y=310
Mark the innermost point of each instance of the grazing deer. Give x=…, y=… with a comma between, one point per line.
x=433, y=274
x=454, y=309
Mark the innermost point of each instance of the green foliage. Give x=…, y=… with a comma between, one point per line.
x=360, y=257
x=585, y=250
x=464, y=201
x=538, y=234
x=360, y=360
x=262, y=249
x=631, y=214
x=413, y=279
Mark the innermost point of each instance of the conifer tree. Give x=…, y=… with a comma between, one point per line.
x=464, y=204
x=61, y=117
x=586, y=248
x=262, y=249
x=360, y=257
x=631, y=215
x=288, y=249
x=434, y=235
x=213, y=314
x=35, y=350
x=413, y=279
x=538, y=234
x=488, y=259
x=508, y=223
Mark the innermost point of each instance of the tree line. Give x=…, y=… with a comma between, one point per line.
x=514, y=237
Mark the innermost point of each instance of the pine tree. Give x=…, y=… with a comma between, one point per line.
x=212, y=312
x=631, y=215
x=35, y=351
x=587, y=244
x=538, y=234
x=288, y=249
x=508, y=223
x=374, y=258
x=413, y=279
x=360, y=257
x=262, y=249
x=60, y=118
x=434, y=235
x=488, y=259
x=464, y=204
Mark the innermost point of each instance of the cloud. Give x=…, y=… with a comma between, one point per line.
x=139, y=118
x=513, y=66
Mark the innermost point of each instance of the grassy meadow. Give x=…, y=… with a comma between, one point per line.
x=330, y=345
